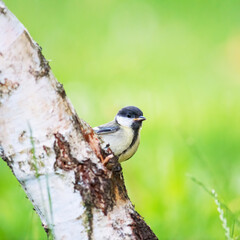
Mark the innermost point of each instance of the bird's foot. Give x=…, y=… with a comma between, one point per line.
x=106, y=160
x=108, y=151
x=111, y=161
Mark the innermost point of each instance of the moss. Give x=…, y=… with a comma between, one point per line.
x=88, y=219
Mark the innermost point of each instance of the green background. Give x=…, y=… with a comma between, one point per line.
x=178, y=61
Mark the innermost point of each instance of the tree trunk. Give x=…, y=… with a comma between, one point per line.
x=56, y=156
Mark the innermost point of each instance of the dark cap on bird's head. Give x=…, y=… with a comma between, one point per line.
x=131, y=112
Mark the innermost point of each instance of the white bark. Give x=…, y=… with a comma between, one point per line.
x=55, y=155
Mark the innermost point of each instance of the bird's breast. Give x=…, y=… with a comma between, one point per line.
x=119, y=141
x=130, y=151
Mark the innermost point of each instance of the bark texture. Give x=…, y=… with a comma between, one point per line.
x=55, y=155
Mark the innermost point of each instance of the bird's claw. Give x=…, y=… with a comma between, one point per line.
x=106, y=160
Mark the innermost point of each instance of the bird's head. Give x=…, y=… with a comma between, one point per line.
x=130, y=117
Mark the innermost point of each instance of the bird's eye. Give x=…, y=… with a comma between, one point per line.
x=129, y=116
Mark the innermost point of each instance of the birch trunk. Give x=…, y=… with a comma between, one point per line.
x=55, y=155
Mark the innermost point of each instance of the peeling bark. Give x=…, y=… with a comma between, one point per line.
x=56, y=156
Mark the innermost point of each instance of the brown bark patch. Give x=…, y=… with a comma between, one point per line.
x=64, y=159
x=60, y=90
x=7, y=87
x=140, y=229
x=95, y=186
x=3, y=10
x=92, y=139
x=119, y=186
x=47, y=150
x=44, y=64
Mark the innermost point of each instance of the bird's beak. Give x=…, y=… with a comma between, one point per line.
x=140, y=119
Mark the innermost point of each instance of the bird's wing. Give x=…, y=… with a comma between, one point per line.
x=107, y=128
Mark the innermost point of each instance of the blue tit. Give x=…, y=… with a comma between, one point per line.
x=122, y=134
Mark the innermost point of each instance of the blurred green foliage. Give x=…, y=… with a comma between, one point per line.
x=179, y=61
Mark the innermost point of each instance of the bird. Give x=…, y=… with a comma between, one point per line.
x=122, y=134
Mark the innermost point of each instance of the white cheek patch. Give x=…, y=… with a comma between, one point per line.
x=127, y=122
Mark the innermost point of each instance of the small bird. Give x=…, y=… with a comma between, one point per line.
x=122, y=134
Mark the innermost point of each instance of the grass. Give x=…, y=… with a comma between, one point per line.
x=176, y=60
x=50, y=223
x=224, y=212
